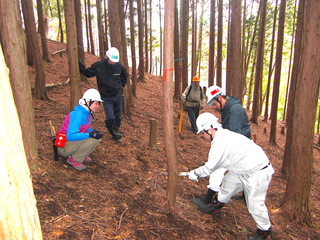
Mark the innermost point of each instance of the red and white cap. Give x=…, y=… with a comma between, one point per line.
x=212, y=93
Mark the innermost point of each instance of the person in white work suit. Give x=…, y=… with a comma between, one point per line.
x=249, y=170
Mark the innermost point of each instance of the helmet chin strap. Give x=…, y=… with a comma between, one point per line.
x=88, y=106
x=207, y=132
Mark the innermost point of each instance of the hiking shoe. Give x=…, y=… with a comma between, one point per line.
x=213, y=209
x=260, y=234
x=75, y=164
x=87, y=159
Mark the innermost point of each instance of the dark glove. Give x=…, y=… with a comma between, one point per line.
x=81, y=65
x=95, y=134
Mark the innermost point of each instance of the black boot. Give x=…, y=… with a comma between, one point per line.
x=206, y=199
x=115, y=136
x=260, y=234
x=213, y=209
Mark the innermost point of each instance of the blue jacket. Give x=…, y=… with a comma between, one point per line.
x=77, y=124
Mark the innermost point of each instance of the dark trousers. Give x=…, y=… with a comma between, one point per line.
x=113, y=110
x=193, y=113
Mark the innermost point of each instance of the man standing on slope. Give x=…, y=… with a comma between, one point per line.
x=111, y=79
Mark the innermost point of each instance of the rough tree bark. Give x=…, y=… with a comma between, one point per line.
x=74, y=73
x=168, y=101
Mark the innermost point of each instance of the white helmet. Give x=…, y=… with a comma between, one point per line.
x=92, y=94
x=207, y=120
x=113, y=54
x=212, y=93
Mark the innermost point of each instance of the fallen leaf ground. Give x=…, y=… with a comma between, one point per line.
x=122, y=193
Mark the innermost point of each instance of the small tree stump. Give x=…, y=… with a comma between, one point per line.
x=153, y=133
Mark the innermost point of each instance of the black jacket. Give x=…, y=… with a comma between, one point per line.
x=111, y=78
x=235, y=118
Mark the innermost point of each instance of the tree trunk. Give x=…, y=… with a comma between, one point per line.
x=105, y=38
x=41, y=22
x=90, y=29
x=194, y=39
x=277, y=73
x=296, y=200
x=60, y=22
x=140, y=30
x=100, y=32
x=29, y=20
x=266, y=111
x=19, y=218
x=219, y=43
x=234, y=68
x=74, y=73
x=259, y=63
x=146, y=42
x=12, y=39
x=150, y=37
x=184, y=41
x=168, y=101
x=293, y=85
x=177, y=52
x=211, y=70
x=133, y=51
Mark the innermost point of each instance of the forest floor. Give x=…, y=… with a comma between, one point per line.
x=122, y=193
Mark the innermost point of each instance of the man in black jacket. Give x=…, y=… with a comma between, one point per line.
x=233, y=118
x=111, y=79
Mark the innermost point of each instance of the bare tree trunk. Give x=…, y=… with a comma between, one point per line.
x=293, y=85
x=133, y=51
x=100, y=32
x=199, y=48
x=74, y=73
x=168, y=101
x=277, y=74
x=259, y=65
x=234, y=68
x=78, y=16
x=19, y=216
x=161, y=44
x=12, y=39
x=90, y=29
x=87, y=25
x=211, y=70
x=177, y=52
x=60, y=22
x=194, y=39
x=40, y=82
x=41, y=22
x=150, y=37
x=266, y=111
x=146, y=42
x=296, y=200
x=184, y=41
x=105, y=39
x=141, y=33
x=219, y=43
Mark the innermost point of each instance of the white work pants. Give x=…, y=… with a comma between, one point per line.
x=255, y=186
x=215, y=179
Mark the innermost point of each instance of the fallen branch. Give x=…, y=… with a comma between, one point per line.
x=51, y=85
x=121, y=219
x=59, y=52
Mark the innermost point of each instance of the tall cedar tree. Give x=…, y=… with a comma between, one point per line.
x=219, y=43
x=259, y=63
x=19, y=214
x=133, y=51
x=177, y=52
x=296, y=200
x=211, y=70
x=41, y=26
x=277, y=73
x=74, y=73
x=184, y=42
x=141, y=33
x=168, y=101
x=14, y=50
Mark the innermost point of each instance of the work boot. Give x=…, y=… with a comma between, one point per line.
x=206, y=199
x=260, y=234
x=213, y=209
x=115, y=135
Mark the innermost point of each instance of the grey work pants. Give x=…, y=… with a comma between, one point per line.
x=78, y=150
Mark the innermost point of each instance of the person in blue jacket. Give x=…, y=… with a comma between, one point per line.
x=233, y=118
x=81, y=140
x=111, y=79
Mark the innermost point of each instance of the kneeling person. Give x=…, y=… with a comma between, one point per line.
x=249, y=170
x=81, y=139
